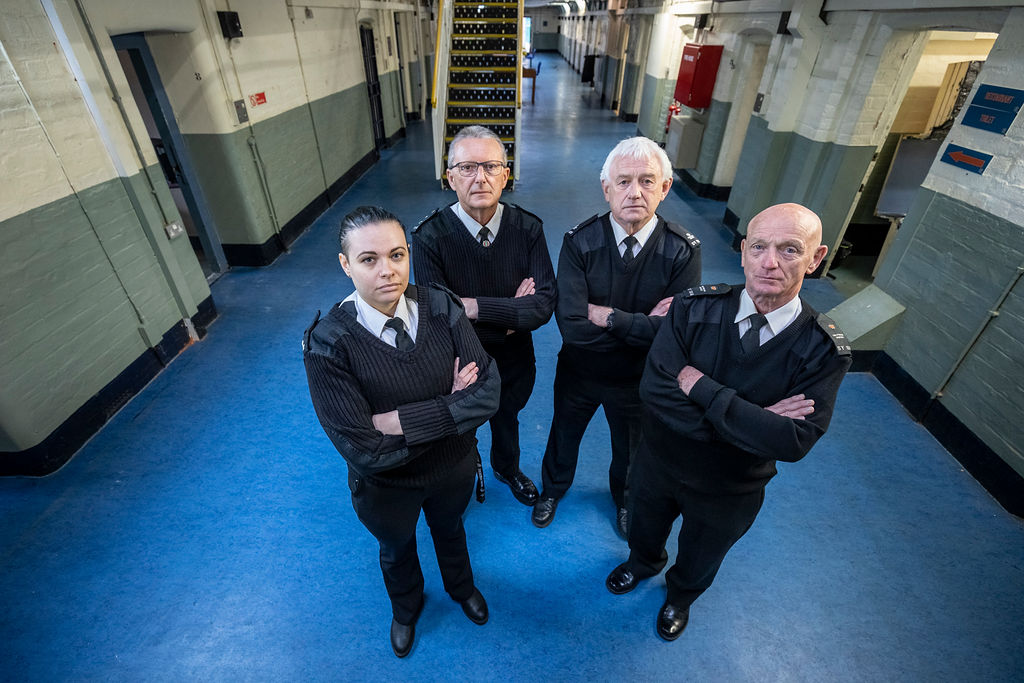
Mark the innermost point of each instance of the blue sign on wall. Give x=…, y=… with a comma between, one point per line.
x=991, y=120
x=967, y=159
x=1003, y=99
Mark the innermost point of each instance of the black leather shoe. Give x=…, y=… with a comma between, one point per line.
x=672, y=621
x=402, y=635
x=520, y=485
x=622, y=522
x=621, y=580
x=475, y=608
x=544, y=511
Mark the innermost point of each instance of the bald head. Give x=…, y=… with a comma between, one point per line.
x=782, y=246
x=794, y=214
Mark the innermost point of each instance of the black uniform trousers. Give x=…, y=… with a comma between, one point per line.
x=518, y=369
x=391, y=514
x=712, y=523
x=577, y=397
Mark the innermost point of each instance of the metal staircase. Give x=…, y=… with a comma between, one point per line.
x=479, y=44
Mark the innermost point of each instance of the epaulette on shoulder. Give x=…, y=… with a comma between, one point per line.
x=708, y=290
x=445, y=299
x=427, y=218
x=835, y=334
x=581, y=224
x=528, y=213
x=690, y=238
x=309, y=331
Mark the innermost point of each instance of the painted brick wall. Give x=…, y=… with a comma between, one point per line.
x=84, y=290
x=960, y=248
x=950, y=266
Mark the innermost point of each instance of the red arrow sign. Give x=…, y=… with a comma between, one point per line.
x=962, y=158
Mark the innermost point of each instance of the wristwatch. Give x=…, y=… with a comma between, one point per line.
x=610, y=320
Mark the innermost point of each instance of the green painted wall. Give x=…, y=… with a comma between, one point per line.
x=714, y=118
x=343, y=129
x=630, y=82
x=416, y=85
x=653, y=107
x=186, y=272
x=761, y=162
x=391, y=102
x=949, y=266
x=74, y=272
x=786, y=167
x=545, y=41
x=611, y=72
x=228, y=170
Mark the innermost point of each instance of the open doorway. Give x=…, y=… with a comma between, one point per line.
x=936, y=93
x=373, y=85
x=151, y=100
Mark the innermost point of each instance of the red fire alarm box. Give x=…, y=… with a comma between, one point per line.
x=697, y=73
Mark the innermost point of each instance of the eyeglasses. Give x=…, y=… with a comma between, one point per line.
x=467, y=169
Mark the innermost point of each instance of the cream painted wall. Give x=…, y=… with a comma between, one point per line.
x=328, y=45
x=750, y=61
x=51, y=113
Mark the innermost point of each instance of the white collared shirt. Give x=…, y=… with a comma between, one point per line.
x=373, y=320
x=778, y=320
x=641, y=235
x=473, y=226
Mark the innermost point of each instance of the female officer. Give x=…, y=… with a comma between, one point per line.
x=400, y=382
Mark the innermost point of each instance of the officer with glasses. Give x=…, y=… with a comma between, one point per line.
x=495, y=258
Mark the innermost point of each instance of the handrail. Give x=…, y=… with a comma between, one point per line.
x=437, y=53
x=519, y=61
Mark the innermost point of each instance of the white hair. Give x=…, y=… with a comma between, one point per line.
x=638, y=147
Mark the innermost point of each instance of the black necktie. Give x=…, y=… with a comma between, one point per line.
x=751, y=339
x=484, y=236
x=403, y=342
x=630, y=242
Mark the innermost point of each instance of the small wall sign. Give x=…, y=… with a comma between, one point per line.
x=993, y=108
x=967, y=159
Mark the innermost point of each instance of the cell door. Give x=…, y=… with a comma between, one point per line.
x=402, y=74
x=373, y=85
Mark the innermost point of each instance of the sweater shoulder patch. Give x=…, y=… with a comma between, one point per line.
x=445, y=301
x=708, y=290
x=427, y=218
x=830, y=328
x=531, y=215
x=322, y=335
x=309, y=331
x=690, y=238
x=572, y=231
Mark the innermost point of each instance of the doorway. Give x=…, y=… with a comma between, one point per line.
x=151, y=100
x=373, y=85
x=937, y=90
x=403, y=74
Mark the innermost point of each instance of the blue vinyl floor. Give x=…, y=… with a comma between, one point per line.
x=206, y=533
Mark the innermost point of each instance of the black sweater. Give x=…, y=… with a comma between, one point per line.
x=353, y=375
x=721, y=439
x=591, y=271
x=445, y=253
